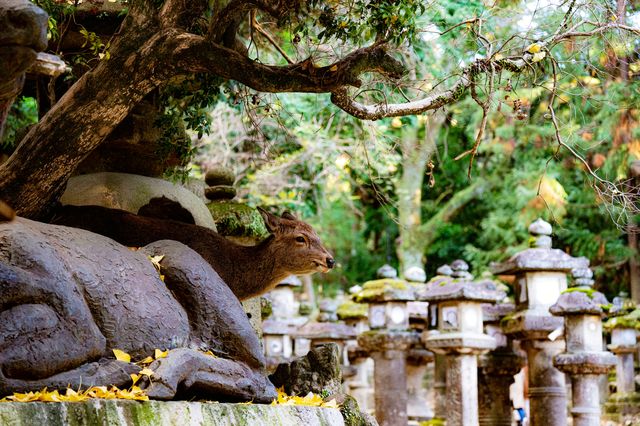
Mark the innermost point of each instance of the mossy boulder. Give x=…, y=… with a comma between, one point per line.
x=238, y=220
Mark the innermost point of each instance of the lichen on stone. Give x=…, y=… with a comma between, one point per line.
x=352, y=310
x=384, y=289
x=630, y=320
x=238, y=220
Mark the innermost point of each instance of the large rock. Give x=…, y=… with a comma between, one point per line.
x=155, y=413
x=130, y=192
x=68, y=297
x=318, y=372
x=23, y=35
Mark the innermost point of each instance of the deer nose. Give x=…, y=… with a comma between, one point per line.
x=330, y=262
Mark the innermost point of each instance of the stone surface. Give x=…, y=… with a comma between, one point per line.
x=238, y=220
x=317, y=372
x=326, y=330
x=157, y=413
x=455, y=289
x=540, y=227
x=73, y=296
x=577, y=301
x=384, y=290
x=131, y=192
x=49, y=65
x=219, y=176
x=23, y=35
x=537, y=259
x=220, y=192
x=387, y=271
x=415, y=274
x=352, y=310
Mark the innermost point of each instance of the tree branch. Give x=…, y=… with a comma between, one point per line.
x=196, y=54
x=342, y=100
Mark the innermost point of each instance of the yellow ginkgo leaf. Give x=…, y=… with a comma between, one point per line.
x=160, y=354
x=155, y=260
x=533, y=48
x=122, y=355
x=330, y=404
x=147, y=360
x=146, y=372
x=134, y=378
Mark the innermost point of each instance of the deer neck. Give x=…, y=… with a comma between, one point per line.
x=251, y=270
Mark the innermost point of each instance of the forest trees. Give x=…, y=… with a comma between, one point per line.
x=345, y=44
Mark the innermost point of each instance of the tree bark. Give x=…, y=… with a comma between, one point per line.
x=37, y=172
x=416, y=153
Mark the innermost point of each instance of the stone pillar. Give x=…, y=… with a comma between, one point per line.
x=625, y=401
x=540, y=277
x=584, y=359
x=460, y=337
x=496, y=370
x=417, y=406
x=387, y=348
x=440, y=386
x=386, y=343
x=547, y=386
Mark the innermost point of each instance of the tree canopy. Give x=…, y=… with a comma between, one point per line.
x=336, y=48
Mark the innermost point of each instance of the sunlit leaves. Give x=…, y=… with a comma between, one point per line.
x=311, y=400
x=121, y=355
x=70, y=395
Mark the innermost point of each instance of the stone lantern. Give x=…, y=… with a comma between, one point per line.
x=540, y=276
x=283, y=301
x=625, y=401
x=278, y=343
x=418, y=357
x=386, y=342
x=584, y=359
x=359, y=377
x=460, y=338
x=319, y=333
x=496, y=369
x=445, y=273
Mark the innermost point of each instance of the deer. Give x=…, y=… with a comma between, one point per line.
x=292, y=248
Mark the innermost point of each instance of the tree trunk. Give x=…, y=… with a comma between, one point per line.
x=35, y=175
x=415, y=155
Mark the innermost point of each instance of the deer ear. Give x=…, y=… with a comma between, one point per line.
x=272, y=222
x=288, y=215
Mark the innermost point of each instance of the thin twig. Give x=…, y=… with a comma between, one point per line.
x=255, y=25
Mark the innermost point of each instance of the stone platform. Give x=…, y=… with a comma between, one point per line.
x=156, y=413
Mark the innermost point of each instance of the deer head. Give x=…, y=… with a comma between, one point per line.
x=295, y=245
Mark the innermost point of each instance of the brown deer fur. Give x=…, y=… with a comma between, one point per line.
x=292, y=248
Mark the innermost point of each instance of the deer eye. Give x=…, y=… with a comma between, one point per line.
x=300, y=239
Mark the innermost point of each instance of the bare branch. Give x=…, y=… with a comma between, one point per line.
x=341, y=98
x=255, y=25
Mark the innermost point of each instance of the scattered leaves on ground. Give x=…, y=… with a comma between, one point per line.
x=70, y=395
x=311, y=400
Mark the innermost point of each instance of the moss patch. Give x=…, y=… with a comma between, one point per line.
x=352, y=310
x=382, y=289
x=238, y=220
x=631, y=320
